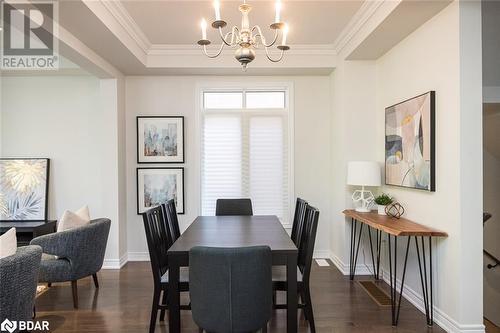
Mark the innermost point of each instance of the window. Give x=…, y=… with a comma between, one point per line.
x=245, y=150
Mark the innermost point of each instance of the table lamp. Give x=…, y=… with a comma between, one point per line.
x=363, y=173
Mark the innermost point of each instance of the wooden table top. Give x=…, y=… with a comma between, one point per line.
x=235, y=231
x=393, y=226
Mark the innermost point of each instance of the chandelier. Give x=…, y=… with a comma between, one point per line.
x=246, y=39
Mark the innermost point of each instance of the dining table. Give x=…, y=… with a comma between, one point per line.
x=234, y=231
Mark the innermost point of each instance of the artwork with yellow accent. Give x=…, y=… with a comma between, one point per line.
x=24, y=189
x=410, y=143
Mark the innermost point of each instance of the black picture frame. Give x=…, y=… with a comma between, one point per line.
x=141, y=159
x=432, y=140
x=180, y=209
x=47, y=181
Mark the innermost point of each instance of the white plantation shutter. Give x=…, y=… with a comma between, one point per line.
x=245, y=153
x=222, y=160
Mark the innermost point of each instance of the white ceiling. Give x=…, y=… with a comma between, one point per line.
x=148, y=37
x=178, y=22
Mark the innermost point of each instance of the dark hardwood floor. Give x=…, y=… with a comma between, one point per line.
x=123, y=304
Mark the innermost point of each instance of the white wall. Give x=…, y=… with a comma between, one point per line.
x=434, y=57
x=177, y=96
x=73, y=121
x=420, y=74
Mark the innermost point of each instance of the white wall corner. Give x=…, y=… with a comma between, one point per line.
x=138, y=256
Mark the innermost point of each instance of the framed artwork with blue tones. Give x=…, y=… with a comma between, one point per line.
x=410, y=143
x=24, y=189
x=158, y=185
x=160, y=139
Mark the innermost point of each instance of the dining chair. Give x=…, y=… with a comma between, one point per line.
x=233, y=207
x=170, y=213
x=231, y=288
x=304, y=263
x=159, y=240
x=298, y=221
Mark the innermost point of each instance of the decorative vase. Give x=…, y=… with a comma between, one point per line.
x=381, y=209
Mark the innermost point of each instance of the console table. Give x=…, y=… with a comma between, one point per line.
x=395, y=228
x=27, y=230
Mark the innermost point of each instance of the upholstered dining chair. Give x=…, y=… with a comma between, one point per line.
x=231, y=288
x=159, y=239
x=233, y=207
x=304, y=264
x=19, y=277
x=73, y=254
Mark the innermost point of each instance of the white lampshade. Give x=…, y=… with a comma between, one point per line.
x=363, y=173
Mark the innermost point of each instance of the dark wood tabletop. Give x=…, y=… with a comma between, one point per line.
x=233, y=231
x=24, y=225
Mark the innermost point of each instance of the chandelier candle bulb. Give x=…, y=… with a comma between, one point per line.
x=285, y=33
x=278, y=11
x=217, y=10
x=203, y=29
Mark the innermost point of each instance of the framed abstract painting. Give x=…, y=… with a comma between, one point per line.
x=24, y=189
x=160, y=139
x=410, y=143
x=157, y=185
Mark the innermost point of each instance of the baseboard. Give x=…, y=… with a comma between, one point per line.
x=361, y=269
x=440, y=317
x=115, y=263
x=138, y=256
x=144, y=256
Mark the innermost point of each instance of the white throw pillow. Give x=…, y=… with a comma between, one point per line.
x=71, y=220
x=8, y=243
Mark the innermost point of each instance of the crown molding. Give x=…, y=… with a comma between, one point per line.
x=154, y=56
x=360, y=18
x=187, y=49
x=123, y=17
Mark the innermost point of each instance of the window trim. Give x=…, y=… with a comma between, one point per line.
x=249, y=85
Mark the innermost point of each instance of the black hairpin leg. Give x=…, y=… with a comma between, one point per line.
x=426, y=280
x=376, y=258
x=395, y=302
x=354, y=248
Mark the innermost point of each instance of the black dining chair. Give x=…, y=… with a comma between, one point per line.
x=170, y=212
x=159, y=240
x=298, y=221
x=304, y=263
x=233, y=207
x=231, y=288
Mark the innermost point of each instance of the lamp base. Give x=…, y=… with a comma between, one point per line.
x=364, y=199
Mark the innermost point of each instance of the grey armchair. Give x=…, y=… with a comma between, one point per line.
x=73, y=254
x=18, y=280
